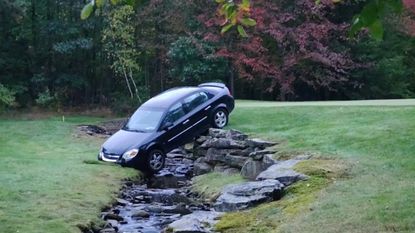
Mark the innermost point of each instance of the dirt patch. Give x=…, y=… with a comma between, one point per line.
x=102, y=130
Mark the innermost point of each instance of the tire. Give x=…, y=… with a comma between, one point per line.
x=220, y=118
x=155, y=160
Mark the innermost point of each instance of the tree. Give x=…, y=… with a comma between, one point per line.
x=292, y=51
x=193, y=61
x=119, y=44
x=236, y=13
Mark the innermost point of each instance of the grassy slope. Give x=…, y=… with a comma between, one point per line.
x=44, y=184
x=380, y=140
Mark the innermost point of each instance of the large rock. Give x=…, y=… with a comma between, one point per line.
x=259, y=154
x=242, y=196
x=197, y=222
x=283, y=172
x=200, y=167
x=214, y=152
x=231, y=171
x=232, y=134
x=220, y=167
x=235, y=161
x=252, y=168
x=259, y=143
x=215, y=156
x=224, y=143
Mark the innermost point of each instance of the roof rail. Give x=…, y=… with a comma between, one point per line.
x=212, y=84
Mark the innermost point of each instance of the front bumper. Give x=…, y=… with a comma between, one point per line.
x=112, y=158
x=118, y=159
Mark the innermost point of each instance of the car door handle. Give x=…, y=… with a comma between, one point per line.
x=208, y=107
x=186, y=121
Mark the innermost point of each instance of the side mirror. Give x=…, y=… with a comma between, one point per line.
x=167, y=126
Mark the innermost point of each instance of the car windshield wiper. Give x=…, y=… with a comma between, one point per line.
x=137, y=130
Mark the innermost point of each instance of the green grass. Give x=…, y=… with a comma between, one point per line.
x=378, y=195
x=47, y=180
x=209, y=185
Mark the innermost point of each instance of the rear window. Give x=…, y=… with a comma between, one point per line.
x=194, y=101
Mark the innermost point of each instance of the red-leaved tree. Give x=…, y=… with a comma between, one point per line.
x=294, y=44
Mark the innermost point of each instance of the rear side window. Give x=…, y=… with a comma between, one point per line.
x=194, y=101
x=174, y=113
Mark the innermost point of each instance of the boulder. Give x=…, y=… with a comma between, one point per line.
x=283, y=172
x=197, y=222
x=141, y=214
x=122, y=202
x=165, y=196
x=220, y=168
x=239, y=152
x=235, y=161
x=236, y=135
x=259, y=143
x=200, y=167
x=199, y=152
x=188, y=147
x=217, y=133
x=269, y=159
x=258, y=155
x=252, y=168
x=178, y=209
x=214, y=156
x=202, y=139
x=111, y=223
x=232, y=134
x=113, y=217
x=231, y=171
x=224, y=143
x=242, y=196
x=168, y=179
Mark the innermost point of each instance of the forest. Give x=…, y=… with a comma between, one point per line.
x=298, y=50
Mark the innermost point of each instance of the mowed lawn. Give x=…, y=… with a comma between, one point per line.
x=45, y=186
x=379, y=195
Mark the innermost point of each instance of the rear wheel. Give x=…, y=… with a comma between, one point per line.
x=155, y=160
x=220, y=118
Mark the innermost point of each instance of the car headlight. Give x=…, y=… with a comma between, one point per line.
x=130, y=154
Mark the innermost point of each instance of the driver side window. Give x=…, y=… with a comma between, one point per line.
x=174, y=113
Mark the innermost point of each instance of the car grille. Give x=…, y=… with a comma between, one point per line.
x=111, y=156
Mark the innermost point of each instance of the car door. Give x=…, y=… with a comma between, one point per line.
x=171, y=136
x=197, y=113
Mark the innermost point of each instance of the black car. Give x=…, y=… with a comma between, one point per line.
x=166, y=121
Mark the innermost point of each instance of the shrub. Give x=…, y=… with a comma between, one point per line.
x=7, y=97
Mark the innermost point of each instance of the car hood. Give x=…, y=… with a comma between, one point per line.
x=124, y=140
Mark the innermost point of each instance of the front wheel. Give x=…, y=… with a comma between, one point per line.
x=220, y=118
x=155, y=160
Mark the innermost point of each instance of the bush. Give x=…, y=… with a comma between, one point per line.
x=45, y=99
x=7, y=97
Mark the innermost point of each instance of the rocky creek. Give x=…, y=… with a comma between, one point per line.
x=165, y=202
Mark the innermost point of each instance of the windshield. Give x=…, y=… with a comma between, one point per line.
x=144, y=120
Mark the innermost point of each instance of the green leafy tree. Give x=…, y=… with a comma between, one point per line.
x=193, y=61
x=119, y=45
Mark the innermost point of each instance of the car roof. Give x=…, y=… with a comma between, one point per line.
x=169, y=97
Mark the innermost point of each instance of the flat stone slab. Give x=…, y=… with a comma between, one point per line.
x=283, y=172
x=196, y=222
x=249, y=194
